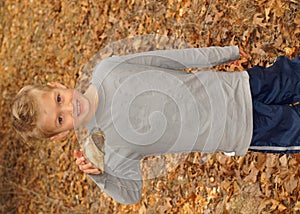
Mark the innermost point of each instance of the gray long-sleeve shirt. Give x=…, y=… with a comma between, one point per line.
x=147, y=107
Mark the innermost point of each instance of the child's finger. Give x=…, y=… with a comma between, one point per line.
x=236, y=62
x=87, y=166
x=50, y=83
x=80, y=161
x=92, y=171
x=243, y=53
x=77, y=154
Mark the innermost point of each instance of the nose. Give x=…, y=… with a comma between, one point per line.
x=68, y=108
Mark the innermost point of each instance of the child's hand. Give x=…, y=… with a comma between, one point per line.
x=243, y=54
x=239, y=65
x=85, y=167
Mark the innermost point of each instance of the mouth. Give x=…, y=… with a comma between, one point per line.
x=78, y=108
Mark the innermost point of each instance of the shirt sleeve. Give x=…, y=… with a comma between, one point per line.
x=122, y=190
x=122, y=178
x=182, y=58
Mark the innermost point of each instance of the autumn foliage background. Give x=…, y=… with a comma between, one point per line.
x=43, y=41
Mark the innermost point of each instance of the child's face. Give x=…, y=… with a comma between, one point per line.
x=61, y=109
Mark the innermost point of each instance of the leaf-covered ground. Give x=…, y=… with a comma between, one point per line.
x=43, y=41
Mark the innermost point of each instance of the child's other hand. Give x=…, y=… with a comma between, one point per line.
x=243, y=57
x=243, y=54
x=83, y=166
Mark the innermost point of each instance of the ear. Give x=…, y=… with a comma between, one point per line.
x=60, y=135
x=56, y=85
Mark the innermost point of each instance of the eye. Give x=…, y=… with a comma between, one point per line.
x=60, y=120
x=58, y=98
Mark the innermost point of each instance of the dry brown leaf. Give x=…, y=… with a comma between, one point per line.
x=268, y=205
x=283, y=161
x=279, y=8
x=258, y=20
x=252, y=177
x=291, y=183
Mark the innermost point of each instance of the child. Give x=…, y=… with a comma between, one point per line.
x=144, y=106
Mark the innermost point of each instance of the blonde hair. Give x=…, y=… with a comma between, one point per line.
x=24, y=114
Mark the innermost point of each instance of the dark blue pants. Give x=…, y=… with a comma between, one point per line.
x=276, y=123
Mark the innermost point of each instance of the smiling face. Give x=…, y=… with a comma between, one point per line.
x=61, y=109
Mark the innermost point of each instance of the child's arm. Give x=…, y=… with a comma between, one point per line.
x=182, y=58
x=122, y=190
